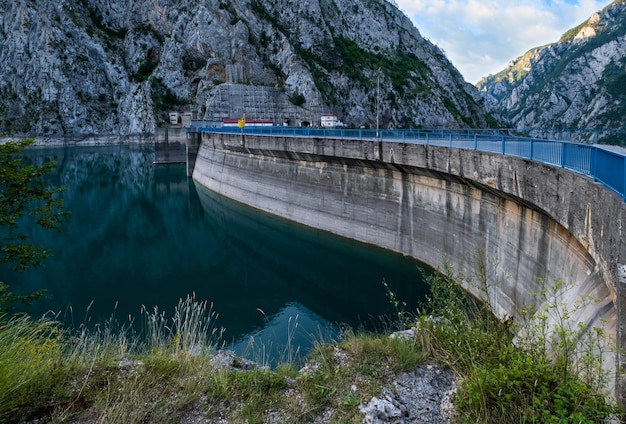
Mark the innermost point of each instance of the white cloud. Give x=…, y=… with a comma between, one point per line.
x=481, y=37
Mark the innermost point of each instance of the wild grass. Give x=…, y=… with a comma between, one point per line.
x=29, y=353
x=266, y=353
x=48, y=370
x=109, y=375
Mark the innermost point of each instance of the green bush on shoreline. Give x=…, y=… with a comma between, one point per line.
x=541, y=373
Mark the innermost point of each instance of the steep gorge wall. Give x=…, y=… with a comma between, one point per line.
x=116, y=67
x=534, y=223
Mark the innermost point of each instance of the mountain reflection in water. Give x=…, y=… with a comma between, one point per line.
x=144, y=234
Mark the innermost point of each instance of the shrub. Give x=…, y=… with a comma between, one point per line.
x=549, y=372
x=297, y=99
x=29, y=353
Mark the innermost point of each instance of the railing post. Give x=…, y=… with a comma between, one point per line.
x=503, y=145
x=594, y=163
x=532, y=149
x=475, y=142
x=450, y=140
x=562, y=154
x=624, y=186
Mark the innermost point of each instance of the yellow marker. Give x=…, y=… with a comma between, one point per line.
x=242, y=122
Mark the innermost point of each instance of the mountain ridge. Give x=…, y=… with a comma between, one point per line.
x=117, y=67
x=574, y=87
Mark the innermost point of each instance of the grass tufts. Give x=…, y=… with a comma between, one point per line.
x=117, y=374
x=190, y=332
x=30, y=354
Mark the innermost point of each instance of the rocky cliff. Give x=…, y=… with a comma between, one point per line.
x=117, y=66
x=574, y=87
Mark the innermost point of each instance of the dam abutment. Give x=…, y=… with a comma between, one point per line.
x=534, y=222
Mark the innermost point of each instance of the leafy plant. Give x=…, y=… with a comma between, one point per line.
x=148, y=66
x=550, y=371
x=25, y=199
x=163, y=97
x=398, y=305
x=24, y=194
x=407, y=74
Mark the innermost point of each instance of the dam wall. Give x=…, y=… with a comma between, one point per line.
x=170, y=145
x=509, y=227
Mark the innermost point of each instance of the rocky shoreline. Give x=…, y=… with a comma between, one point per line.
x=421, y=396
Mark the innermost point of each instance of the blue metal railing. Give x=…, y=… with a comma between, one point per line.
x=603, y=165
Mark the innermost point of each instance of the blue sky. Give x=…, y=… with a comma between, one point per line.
x=480, y=37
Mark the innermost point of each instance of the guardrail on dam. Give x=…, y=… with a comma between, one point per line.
x=534, y=222
x=603, y=163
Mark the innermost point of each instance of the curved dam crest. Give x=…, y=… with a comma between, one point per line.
x=525, y=223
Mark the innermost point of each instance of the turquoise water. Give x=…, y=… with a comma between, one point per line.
x=145, y=235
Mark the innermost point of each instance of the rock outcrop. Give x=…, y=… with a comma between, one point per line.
x=117, y=66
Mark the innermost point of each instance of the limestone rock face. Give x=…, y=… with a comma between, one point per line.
x=576, y=85
x=117, y=66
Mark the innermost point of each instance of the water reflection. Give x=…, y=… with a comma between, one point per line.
x=144, y=234
x=285, y=335
x=339, y=279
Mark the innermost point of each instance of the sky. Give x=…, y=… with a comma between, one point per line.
x=480, y=37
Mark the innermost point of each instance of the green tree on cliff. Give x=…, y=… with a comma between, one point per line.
x=25, y=200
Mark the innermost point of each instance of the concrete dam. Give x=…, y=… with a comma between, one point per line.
x=518, y=224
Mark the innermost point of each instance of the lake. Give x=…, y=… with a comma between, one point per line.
x=141, y=234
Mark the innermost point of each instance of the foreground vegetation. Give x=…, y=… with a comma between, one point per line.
x=107, y=375
x=532, y=371
x=53, y=374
